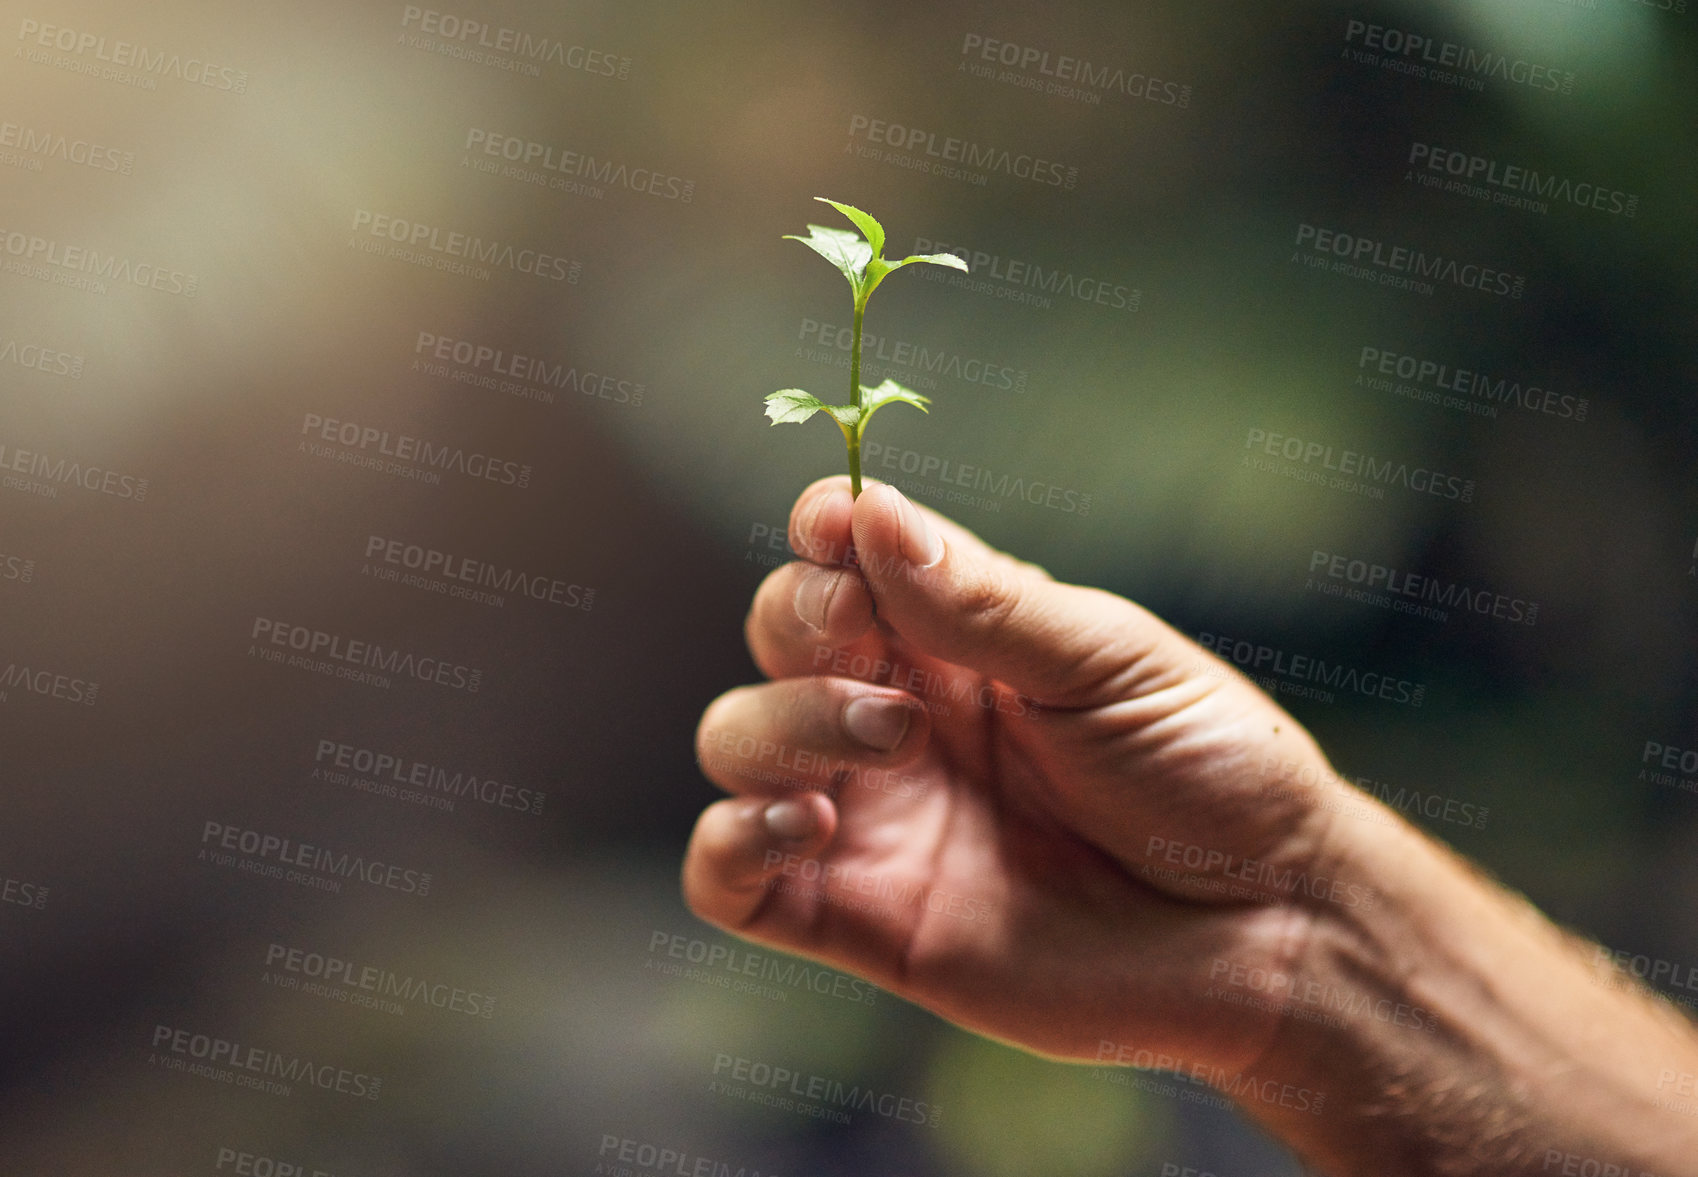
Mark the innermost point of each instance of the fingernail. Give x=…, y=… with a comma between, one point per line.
x=801, y=536
x=876, y=721
x=790, y=821
x=813, y=598
x=920, y=544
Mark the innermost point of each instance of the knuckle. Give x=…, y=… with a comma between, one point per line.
x=772, y=613
x=987, y=599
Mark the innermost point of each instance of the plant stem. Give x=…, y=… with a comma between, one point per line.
x=855, y=356
x=855, y=398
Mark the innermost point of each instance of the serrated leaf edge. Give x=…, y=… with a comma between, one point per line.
x=864, y=221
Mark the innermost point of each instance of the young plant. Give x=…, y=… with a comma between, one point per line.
x=861, y=260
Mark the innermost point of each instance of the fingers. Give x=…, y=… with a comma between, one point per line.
x=807, y=610
x=798, y=878
x=807, y=732
x=949, y=594
x=802, y=609
x=739, y=846
x=819, y=522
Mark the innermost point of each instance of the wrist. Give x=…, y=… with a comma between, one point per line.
x=1466, y=1033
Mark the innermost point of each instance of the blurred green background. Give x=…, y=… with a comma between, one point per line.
x=665, y=507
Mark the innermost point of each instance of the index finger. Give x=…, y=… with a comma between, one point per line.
x=821, y=529
x=820, y=521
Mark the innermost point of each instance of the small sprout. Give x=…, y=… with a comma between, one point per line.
x=859, y=257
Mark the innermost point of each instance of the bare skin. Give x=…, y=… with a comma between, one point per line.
x=1039, y=811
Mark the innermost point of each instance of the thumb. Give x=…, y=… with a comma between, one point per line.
x=738, y=845
x=953, y=596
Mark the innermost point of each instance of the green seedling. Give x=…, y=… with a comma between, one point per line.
x=861, y=260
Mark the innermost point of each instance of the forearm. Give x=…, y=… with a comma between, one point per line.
x=1528, y=1059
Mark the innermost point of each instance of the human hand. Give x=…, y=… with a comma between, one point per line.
x=1031, y=807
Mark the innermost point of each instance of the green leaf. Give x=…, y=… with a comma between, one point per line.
x=936, y=259
x=861, y=261
x=790, y=405
x=865, y=222
x=847, y=416
x=873, y=399
x=841, y=247
x=878, y=267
